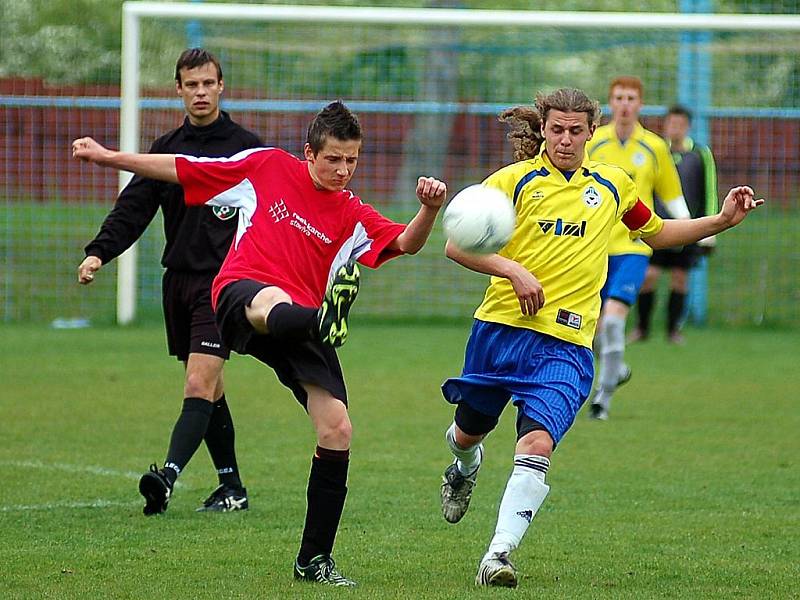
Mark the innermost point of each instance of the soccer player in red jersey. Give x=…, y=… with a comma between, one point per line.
x=285, y=288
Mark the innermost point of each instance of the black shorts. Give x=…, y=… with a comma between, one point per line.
x=188, y=317
x=685, y=258
x=293, y=362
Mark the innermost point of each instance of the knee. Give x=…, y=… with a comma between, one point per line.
x=261, y=305
x=198, y=385
x=335, y=433
x=537, y=442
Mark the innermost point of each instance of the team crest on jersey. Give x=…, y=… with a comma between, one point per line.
x=561, y=227
x=591, y=197
x=279, y=211
x=638, y=159
x=223, y=213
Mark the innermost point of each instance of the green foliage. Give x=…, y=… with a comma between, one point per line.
x=689, y=491
x=63, y=42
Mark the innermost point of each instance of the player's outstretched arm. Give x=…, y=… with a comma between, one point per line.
x=738, y=203
x=152, y=166
x=527, y=288
x=431, y=194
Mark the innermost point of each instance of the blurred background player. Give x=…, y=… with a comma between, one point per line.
x=197, y=240
x=698, y=174
x=531, y=336
x=284, y=290
x=624, y=142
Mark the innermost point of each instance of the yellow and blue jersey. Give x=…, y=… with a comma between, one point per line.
x=646, y=158
x=564, y=223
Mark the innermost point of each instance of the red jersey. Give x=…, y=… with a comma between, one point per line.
x=290, y=234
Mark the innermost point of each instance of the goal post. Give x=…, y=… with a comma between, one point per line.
x=287, y=61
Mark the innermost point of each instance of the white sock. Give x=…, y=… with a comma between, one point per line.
x=611, y=358
x=467, y=459
x=525, y=492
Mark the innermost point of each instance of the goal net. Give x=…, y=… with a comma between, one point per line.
x=428, y=84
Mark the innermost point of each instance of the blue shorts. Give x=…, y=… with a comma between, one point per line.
x=547, y=378
x=625, y=276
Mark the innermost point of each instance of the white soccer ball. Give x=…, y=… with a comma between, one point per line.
x=479, y=219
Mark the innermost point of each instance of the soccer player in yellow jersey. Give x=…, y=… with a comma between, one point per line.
x=532, y=335
x=645, y=156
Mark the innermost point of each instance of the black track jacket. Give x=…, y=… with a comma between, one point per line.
x=197, y=238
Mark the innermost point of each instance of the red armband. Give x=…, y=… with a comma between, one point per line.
x=637, y=216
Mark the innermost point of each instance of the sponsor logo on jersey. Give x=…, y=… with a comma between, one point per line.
x=537, y=195
x=569, y=318
x=308, y=229
x=223, y=213
x=279, y=211
x=591, y=197
x=562, y=227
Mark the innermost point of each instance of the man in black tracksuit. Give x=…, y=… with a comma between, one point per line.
x=197, y=240
x=698, y=173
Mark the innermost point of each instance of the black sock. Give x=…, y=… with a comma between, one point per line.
x=220, y=437
x=188, y=433
x=292, y=322
x=327, y=489
x=677, y=300
x=645, y=308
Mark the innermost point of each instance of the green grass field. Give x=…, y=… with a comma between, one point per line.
x=691, y=490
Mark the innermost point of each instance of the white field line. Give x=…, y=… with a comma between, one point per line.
x=100, y=503
x=70, y=468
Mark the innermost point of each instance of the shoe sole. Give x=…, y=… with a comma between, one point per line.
x=336, y=305
x=156, y=495
x=505, y=577
x=223, y=509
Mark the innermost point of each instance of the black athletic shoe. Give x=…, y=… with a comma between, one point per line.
x=156, y=490
x=322, y=569
x=225, y=499
x=339, y=297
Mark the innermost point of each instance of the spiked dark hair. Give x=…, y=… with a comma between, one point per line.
x=334, y=120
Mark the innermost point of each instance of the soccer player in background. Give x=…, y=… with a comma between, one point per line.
x=532, y=335
x=698, y=174
x=197, y=239
x=624, y=142
x=287, y=284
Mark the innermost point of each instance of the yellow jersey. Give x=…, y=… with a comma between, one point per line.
x=564, y=223
x=647, y=159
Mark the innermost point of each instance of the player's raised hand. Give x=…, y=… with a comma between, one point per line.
x=739, y=201
x=431, y=192
x=88, y=150
x=87, y=269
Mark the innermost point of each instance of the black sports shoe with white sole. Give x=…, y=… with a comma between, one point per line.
x=225, y=498
x=156, y=489
x=322, y=569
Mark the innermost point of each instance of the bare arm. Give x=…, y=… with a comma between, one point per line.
x=738, y=203
x=527, y=288
x=431, y=194
x=152, y=166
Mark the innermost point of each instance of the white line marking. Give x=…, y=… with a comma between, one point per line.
x=91, y=470
x=100, y=503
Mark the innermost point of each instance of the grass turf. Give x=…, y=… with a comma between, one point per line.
x=690, y=490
